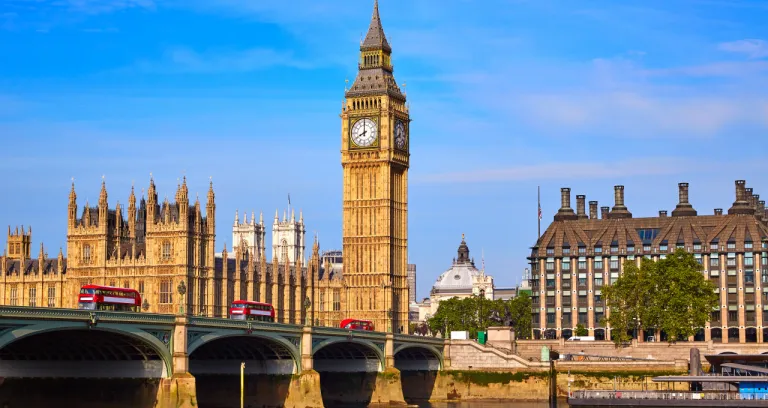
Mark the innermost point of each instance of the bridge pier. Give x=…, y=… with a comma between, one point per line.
x=388, y=389
x=304, y=391
x=180, y=390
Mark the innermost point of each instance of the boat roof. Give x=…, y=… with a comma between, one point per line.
x=727, y=358
x=710, y=378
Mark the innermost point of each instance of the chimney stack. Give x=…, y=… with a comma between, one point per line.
x=741, y=205
x=619, y=209
x=684, y=208
x=593, y=210
x=605, y=212
x=718, y=211
x=663, y=213
x=565, y=212
x=580, y=207
x=761, y=212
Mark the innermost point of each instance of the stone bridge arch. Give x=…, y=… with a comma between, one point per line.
x=418, y=357
x=360, y=355
x=122, y=350
x=263, y=352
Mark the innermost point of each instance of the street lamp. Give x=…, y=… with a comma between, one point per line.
x=182, y=289
x=145, y=305
x=307, y=304
x=389, y=320
x=637, y=327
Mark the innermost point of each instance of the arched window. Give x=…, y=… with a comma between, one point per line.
x=86, y=254
x=166, y=251
x=284, y=245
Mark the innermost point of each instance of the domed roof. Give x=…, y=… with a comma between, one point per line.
x=459, y=276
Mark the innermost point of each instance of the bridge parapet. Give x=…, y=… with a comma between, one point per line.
x=47, y=313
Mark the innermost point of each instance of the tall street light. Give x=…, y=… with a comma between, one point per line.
x=182, y=289
x=307, y=304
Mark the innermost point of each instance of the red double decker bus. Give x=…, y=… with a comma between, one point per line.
x=248, y=310
x=95, y=297
x=355, y=324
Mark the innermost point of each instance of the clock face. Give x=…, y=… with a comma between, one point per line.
x=400, y=134
x=364, y=132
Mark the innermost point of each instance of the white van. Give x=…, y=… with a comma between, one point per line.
x=582, y=338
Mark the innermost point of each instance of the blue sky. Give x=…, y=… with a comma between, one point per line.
x=505, y=95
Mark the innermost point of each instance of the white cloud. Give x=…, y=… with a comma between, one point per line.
x=751, y=47
x=186, y=60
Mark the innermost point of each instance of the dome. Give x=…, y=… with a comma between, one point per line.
x=459, y=276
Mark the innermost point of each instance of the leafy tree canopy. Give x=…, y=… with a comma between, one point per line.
x=476, y=313
x=670, y=294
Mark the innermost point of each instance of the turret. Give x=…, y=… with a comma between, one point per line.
x=151, y=202
x=41, y=260
x=103, y=206
x=210, y=210
x=72, y=218
x=132, y=215
x=183, y=203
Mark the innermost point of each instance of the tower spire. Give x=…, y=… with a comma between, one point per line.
x=375, y=38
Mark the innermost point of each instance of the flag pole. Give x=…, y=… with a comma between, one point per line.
x=538, y=215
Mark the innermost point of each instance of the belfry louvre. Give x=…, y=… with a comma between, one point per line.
x=579, y=253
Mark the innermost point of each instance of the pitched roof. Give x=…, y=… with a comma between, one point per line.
x=375, y=38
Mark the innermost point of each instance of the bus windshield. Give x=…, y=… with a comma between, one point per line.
x=87, y=291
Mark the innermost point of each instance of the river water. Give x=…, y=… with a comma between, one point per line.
x=480, y=404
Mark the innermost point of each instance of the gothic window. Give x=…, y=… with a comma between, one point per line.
x=166, y=255
x=126, y=284
x=32, y=297
x=14, y=296
x=112, y=283
x=284, y=245
x=165, y=292
x=86, y=254
x=336, y=300
x=52, y=296
x=322, y=300
x=141, y=288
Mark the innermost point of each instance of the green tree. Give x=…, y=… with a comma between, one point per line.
x=477, y=313
x=581, y=330
x=669, y=294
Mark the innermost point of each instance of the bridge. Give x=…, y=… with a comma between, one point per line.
x=48, y=343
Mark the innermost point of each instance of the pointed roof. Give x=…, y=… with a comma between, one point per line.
x=375, y=38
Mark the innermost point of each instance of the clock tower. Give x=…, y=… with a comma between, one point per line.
x=375, y=158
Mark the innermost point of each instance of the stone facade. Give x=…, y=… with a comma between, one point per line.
x=579, y=253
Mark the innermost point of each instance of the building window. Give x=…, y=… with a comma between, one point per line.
x=748, y=259
x=141, y=288
x=599, y=265
x=598, y=250
x=86, y=254
x=336, y=300
x=166, y=255
x=614, y=264
x=284, y=252
x=52, y=296
x=32, y=297
x=662, y=248
x=598, y=280
x=166, y=294
x=582, y=250
x=550, y=251
x=697, y=247
x=646, y=248
x=631, y=249
x=582, y=264
x=550, y=266
x=614, y=249
x=714, y=261
x=112, y=283
x=321, y=294
x=566, y=250
x=749, y=276
x=14, y=300
x=731, y=245
x=126, y=284
x=566, y=265
x=731, y=262
x=713, y=246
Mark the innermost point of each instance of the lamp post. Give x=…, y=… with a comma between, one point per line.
x=242, y=384
x=389, y=320
x=182, y=289
x=307, y=304
x=145, y=305
x=637, y=328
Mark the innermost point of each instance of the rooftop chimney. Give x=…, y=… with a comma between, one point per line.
x=663, y=213
x=605, y=212
x=593, y=210
x=761, y=212
x=565, y=212
x=580, y=207
x=684, y=208
x=718, y=211
x=741, y=205
x=619, y=209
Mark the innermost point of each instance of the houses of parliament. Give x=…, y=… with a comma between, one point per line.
x=159, y=247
